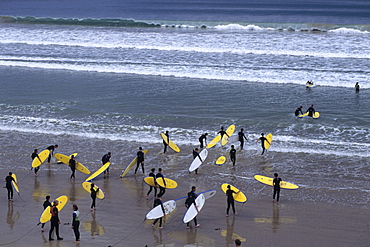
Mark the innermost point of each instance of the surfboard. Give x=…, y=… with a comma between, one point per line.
x=150, y=181
x=15, y=185
x=220, y=160
x=214, y=141
x=65, y=160
x=46, y=215
x=240, y=197
x=74, y=155
x=157, y=212
x=87, y=187
x=192, y=211
x=170, y=143
x=269, y=138
x=170, y=184
x=196, y=162
x=98, y=172
x=43, y=156
x=268, y=181
x=131, y=164
x=233, y=138
x=315, y=115
x=230, y=131
x=207, y=195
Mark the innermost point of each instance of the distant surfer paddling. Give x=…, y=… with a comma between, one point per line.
x=309, y=84
x=298, y=111
x=262, y=139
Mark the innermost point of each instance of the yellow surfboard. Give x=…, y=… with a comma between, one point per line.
x=230, y=131
x=315, y=115
x=46, y=215
x=87, y=187
x=74, y=155
x=98, y=172
x=131, y=164
x=221, y=160
x=65, y=160
x=15, y=185
x=269, y=138
x=170, y=143
x=43, y=156
x=150, y=181
x=170, y=184
x=240, y=197
x=268, y=181
x=214, y=141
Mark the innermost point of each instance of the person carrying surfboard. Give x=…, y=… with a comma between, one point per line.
x=93, y=196
x=162, y=190
x=203, y=140
x=33, y=156
x=105, y=159
x=140, y=160
x=158, y=201
x=311, y=111
x=232, y=154
x=8, y=184
x=51, y=149
x=190, y=200
x=241, y=137
x=222, y=132
x=165, y=143
x=298, y=111
x=230, y=200
x=54, y=221
x=72, y=165
x=152, y=174
x=276, y=184
x=195, y=155
x=46, y=204
x=262, y=139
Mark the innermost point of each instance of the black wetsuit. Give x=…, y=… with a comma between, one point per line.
x=222, y=133
x=276, y=184
x=45, y=205
x=9, y=187
x=162, y=190
x=298, y=111
x=105, y=159
x=230, y=200
x=54, y=222
x=140, y=160
x=263, y=139
x=233, y=155
x=311, y=111
x=195, y=155
x=190, y=200
x=165, y=144
x=151, y=187
x=33, y=156
x=156, y=203
x=202, y=140
x=51, y=149
x=72, y=165
x=93, y=196
x=241, y=139
x=76, y=224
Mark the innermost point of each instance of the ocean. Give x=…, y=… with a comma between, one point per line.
x=96, y=76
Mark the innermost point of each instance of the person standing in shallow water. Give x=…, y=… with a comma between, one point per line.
x=262, y=139
x=233, y=154
x=195, y=155
x=242, y=136
x=203, y=140
x=105, y=159
x=51, y=149
x=164, y=143
x=276, y=184
x=140, y=160
x=357, y=87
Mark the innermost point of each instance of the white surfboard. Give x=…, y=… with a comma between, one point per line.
x=207, y=194
x=196, y=162
x=192, y=211
x=157, y=212
x=233, y=138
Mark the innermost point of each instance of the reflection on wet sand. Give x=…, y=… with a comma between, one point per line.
x=93, y=227
x=10, y=217
x=229, y=233
x=276, y=220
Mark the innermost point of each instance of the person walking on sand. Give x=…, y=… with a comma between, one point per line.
x=140, y=160
x=232, y=154
x=76, y=223
x=158, y=201
x=195, y=155
x=190, y=200
x=298, y=111
x=203, y=140
x=162, y=190
x=238, y=243
x=276, y=184
x=72, y=165
x=93, y=196
x=8, y=184
x=165, y=143
x=241, y=137
x=46, y=204
x=262, y=139
x=51, y=149
x=152, y=174
x=54, y=221
x=33, y=156
x=230, y=200
x=105, y=159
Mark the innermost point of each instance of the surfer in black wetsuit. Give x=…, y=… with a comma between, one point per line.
x=190, y=200
x=72, y=165
x=298, y=111
x=8, y=184
x=222, y=132
x=140, y=160
x=276, y=184
x=357, y=87
x=232, y=154
x=230, y=200
x=51, y=149
x=46, y=204
x=168, y=140
x=262, y=139
x=54, y=221
x=241, y=138
x=158, y=201
x=203, y=140
x=162, y=190
x=93, y=196
x=105, y=159
x=33, y=156
x=195, y=155
x=152, y=174
x=311, y=111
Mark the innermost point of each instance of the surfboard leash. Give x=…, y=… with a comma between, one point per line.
x=12, y=242
x=128, y=234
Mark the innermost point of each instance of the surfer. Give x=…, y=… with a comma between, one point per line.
x=232, y=154
x=195, y=155
x=238, y=243
x=140, y=160
x=152, y=174
x=276, y=184
x=72, y=165
x=76, y=222
x=158, y=201
x=105, y=159
x=311, y=111
x=203, y=140
x=8, y=184
x=162, y=190
x=309, y=83
x=262, y=139
x=222, y=132
x=357, y=87
x=51, y=149
x=93, y=196
x=242, y=136
x=230, y=200
x=54, y=221
x=168, y=140
x=190, y=200
x=33, y=156
x=46, y=204
x=298, y=111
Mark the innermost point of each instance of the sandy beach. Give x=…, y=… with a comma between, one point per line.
x=119, y=219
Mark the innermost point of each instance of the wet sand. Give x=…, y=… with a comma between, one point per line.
x=119, y=219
